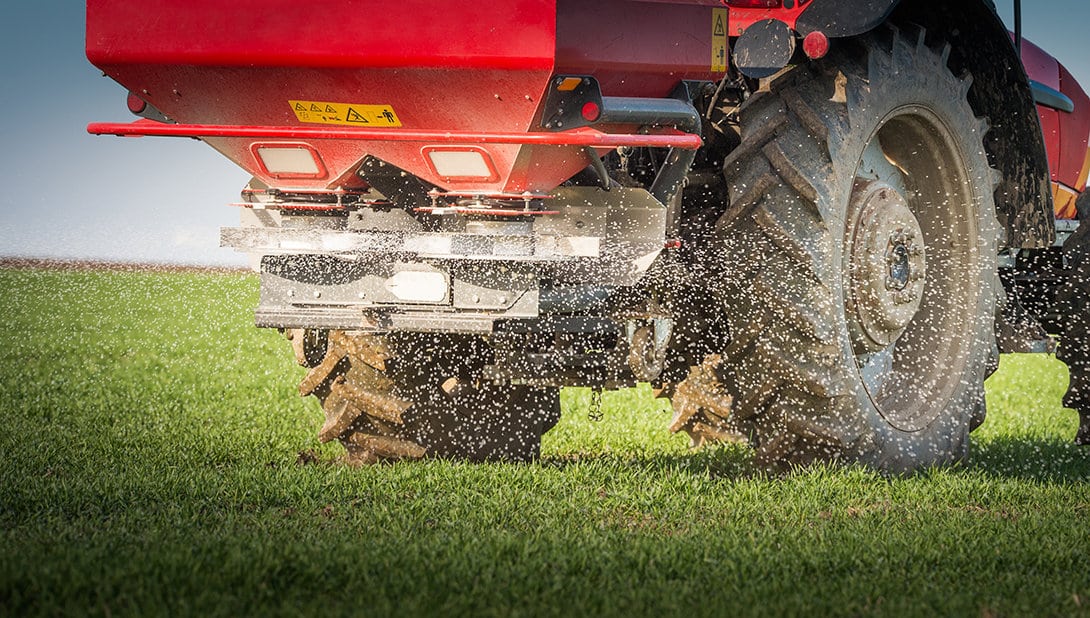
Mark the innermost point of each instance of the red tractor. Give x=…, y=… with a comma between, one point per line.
x=813, y=224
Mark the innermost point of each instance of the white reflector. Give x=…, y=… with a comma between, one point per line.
x=460, y=164
x=290, y=160
x=418, y=286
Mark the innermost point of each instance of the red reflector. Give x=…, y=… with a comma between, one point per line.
x=816, y=45
x=136, y=104
x=591, y=111
x=755, y=4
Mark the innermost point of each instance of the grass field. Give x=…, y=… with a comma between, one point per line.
x=149, y=438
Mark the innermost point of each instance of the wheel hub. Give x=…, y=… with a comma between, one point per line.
x=887, y=267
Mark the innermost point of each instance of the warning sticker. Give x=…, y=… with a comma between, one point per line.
x=348, y=114
x=719, y=40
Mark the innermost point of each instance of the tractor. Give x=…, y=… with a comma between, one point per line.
x=813, y=225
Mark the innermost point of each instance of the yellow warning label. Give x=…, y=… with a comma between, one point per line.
x=719, y=40
x=349, y=114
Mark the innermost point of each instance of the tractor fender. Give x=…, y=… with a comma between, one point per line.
x=981, y=46
x=836, y=18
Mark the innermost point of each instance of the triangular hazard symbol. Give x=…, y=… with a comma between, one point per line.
x=300, y=108
x=314, y=108
x=354, y=116
x=719, y=29
x=329, y=109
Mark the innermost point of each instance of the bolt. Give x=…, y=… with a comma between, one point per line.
x=476, y=299
x=503, y=300
x=317, y=294
x=291, y=293
x=362, y=295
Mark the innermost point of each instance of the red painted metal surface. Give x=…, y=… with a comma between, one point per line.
x=1074, y=133
x=350, y=34
x=638, y=49
x=1042, y=67
x=290, y=206
x=1066, y=134
x=486, y=212
x=464, y=73
x=742, y=18
x=463, y=70
x=468, y=67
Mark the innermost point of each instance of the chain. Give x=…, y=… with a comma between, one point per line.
x=624, y=152
x=595, y=413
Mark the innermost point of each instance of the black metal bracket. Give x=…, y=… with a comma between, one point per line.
x=570, y=96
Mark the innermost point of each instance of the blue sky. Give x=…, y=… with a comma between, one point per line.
x=71, y=195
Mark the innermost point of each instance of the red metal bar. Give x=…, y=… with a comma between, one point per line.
x=492, y=195
x=288, y=206
x=666, y=138
x=487, y=212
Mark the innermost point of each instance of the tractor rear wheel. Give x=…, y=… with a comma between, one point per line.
x=1073, y=304
x=413, y=396
x=859, y=261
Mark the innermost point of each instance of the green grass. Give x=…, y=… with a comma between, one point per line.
x=148, y=445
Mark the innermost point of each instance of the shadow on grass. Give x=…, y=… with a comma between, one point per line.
x=1030, y=458
x=727, y=461
x=1033, y=459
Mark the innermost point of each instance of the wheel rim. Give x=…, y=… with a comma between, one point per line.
x=910, y=280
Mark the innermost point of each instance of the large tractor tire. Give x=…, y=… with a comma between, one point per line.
x=413, y=396
x=1073, y=304
x=859, y=261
